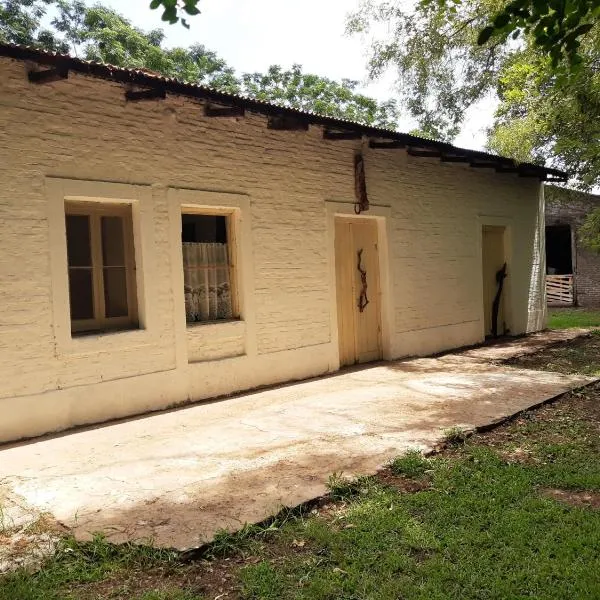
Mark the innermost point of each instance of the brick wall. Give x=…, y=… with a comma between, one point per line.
x=566, y=207
x=82, y=129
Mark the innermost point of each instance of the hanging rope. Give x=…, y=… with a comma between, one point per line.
x=360, y=185
x=363, y=300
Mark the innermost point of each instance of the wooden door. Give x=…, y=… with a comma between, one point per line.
x=493, y=258
x=357, y=290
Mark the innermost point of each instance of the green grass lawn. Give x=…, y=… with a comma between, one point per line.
x=512, y=513
x=567, y=318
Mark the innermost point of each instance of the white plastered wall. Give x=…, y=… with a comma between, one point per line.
x=79, y=138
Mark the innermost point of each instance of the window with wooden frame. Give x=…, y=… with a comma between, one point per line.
x=101, y=262
x=208, y=267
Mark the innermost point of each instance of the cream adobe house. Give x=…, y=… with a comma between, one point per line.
x=163, y=243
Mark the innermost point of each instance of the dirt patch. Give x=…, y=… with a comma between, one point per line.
x=30, y=545
x=211, y=579
x=519, y=456
x=404, y=485
x=581, y=356
x=585, y=499
x=574, y=414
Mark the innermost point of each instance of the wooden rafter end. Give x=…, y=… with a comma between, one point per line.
x=211, y=110
x=287, y=123
x=392, y=145
x=423, y=153
x=48, y=75
x=150, y=94
x=328, y=134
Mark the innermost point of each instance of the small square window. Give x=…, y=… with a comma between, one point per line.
x=101, y=266
x=208, y=272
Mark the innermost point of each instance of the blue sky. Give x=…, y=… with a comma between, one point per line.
x=253, y=34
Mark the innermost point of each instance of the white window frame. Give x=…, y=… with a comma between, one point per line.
x=60, y=191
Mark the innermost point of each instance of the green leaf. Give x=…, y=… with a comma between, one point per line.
x=155, y=4
x=584, y=28
x=501, y=20
x=485, y=35
x=170, y=15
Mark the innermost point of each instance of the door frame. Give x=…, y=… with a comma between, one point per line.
x=382, y=216
x=507, y=223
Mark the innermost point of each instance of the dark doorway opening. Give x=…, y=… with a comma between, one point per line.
x=559, y=260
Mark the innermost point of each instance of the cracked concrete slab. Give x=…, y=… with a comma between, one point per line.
x=175, y=478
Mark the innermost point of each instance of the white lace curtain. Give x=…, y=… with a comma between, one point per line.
x=206, y=282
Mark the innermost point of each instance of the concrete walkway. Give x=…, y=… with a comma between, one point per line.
x=177, y=477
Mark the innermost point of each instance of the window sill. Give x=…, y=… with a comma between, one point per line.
x=216, y=329
x=102, y=332
x=194, y=324
x=103, y=341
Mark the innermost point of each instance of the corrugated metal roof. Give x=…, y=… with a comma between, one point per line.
x=149, y=79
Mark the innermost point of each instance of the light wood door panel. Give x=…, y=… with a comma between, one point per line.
x=344, y=273
x=359, y=331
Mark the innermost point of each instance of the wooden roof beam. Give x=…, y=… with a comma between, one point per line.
x=214, y=110
x=48, y=75
x=390, y=145
x=149, y=94
x=329, y=134
x=523, y=173
x=286, y=123
x=486, y=164
x=423, y=152
x=454, y=158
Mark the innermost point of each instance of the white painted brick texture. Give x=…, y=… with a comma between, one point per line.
x=83, y=129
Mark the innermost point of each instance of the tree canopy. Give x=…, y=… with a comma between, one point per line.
x=548, y=109
x=556, y=26
x=317, y=94
x=102, y=34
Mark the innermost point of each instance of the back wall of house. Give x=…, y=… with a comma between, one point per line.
x=567, y=207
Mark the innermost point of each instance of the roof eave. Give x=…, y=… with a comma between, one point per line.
x=140, y=78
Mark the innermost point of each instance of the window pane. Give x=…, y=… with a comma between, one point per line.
x=204, y=229
x=81, y=294
x=207, y=287
x=78, y=241
x=115, y=292
x=113, y=248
